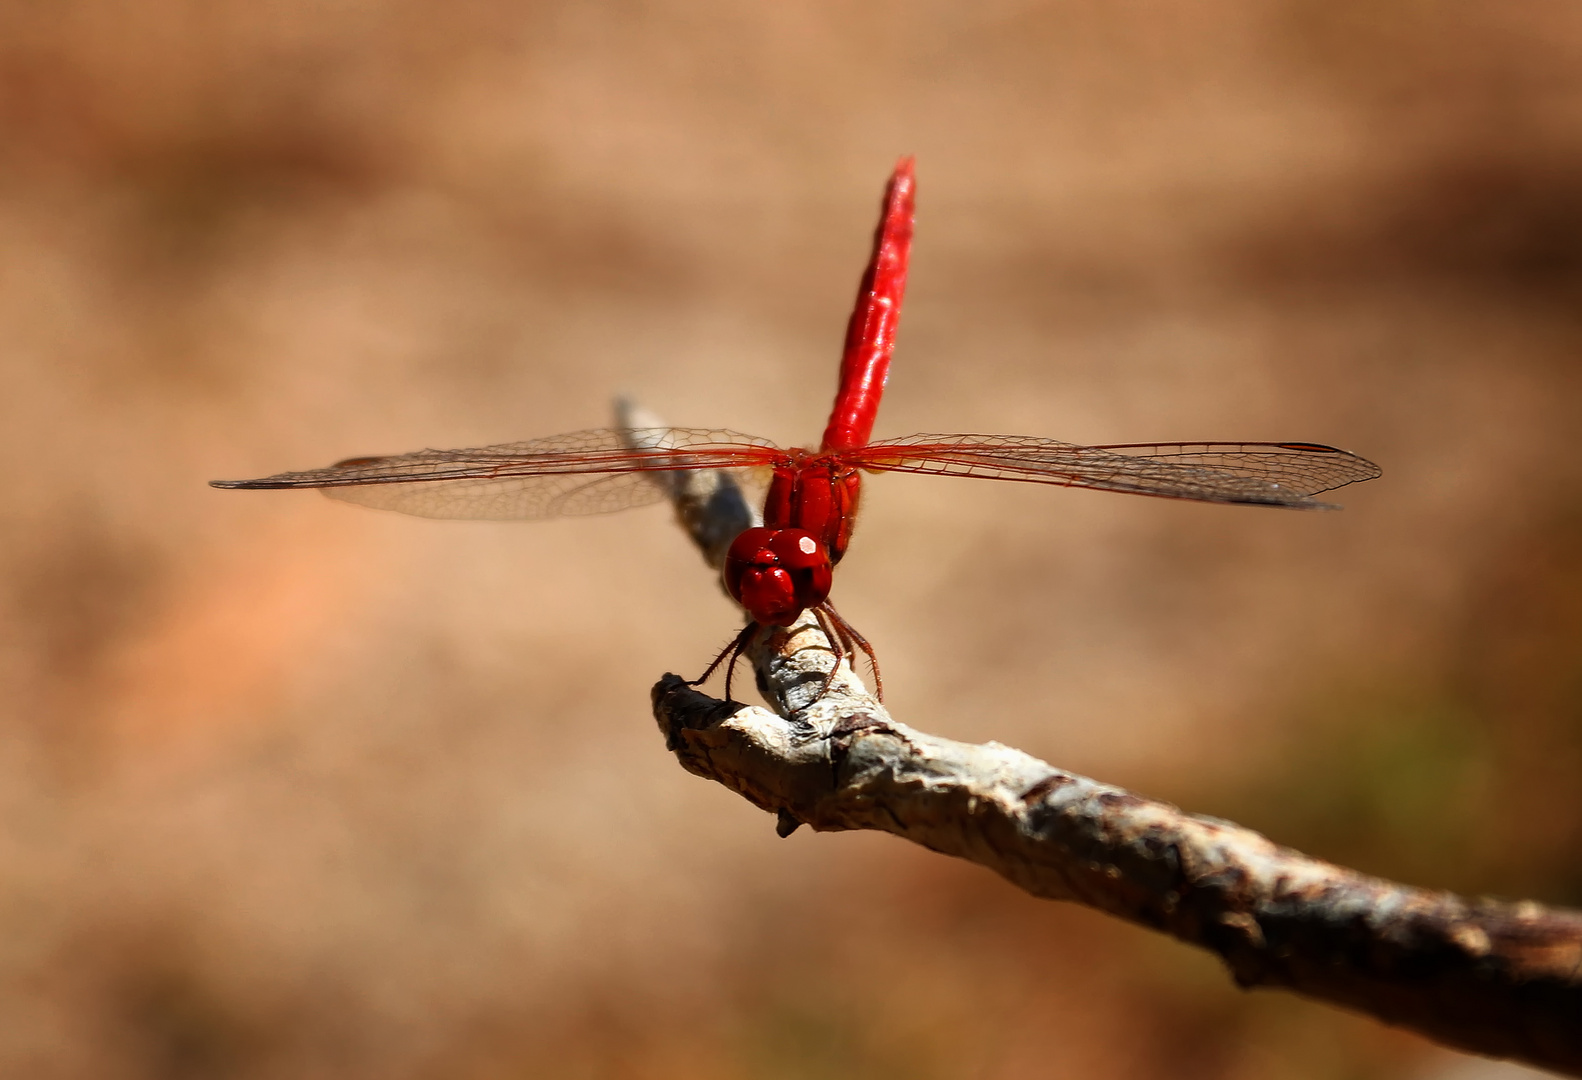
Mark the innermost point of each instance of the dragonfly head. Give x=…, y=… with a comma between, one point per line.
x=777, y=573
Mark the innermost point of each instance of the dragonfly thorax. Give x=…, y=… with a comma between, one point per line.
x=816, y=493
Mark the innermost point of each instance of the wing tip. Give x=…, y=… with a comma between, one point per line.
x=267, y=483
x=1303, y=503
x=1370, y=469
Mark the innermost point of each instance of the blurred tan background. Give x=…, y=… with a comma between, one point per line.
x=292, y=789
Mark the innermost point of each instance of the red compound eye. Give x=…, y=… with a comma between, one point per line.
x=777, y=573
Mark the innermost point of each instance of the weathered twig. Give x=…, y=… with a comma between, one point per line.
x=1496, y=978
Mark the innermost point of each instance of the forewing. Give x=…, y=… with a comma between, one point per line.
x=585, y=472
x=1267, y=474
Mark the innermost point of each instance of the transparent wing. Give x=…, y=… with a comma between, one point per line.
x=1267, y=474
x=584, y=472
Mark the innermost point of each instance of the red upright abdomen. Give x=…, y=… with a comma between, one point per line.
x=870, y=335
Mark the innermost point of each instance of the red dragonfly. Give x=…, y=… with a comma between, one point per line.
x=783, y=568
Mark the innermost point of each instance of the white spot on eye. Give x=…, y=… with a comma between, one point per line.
x=808, y=545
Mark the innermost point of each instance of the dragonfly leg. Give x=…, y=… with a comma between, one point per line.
x=844, y=646
x=734, y=650
x=840, y=645
x=849, y=633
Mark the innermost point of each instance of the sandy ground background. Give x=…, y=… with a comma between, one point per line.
x=291, y=789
